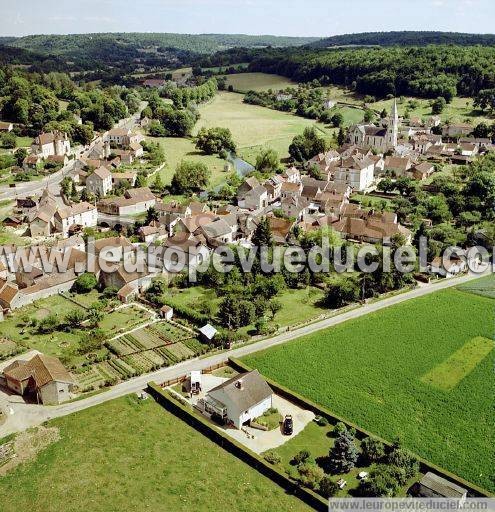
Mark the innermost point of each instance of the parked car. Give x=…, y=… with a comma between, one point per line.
x=288, y=425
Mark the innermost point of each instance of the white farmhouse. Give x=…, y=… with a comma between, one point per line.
x=240, y=399
x=356, y=172
x=81, y=215
x=51, y=143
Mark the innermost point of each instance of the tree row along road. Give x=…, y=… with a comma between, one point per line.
x=21, y=416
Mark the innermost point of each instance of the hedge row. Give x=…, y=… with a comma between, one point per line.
x=235, y=448
x=333, y=419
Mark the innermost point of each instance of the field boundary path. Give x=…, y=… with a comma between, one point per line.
x=20, y=416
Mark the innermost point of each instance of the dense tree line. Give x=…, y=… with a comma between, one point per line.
x=428, y=72
x=32, y=99
x=406, y=38
x=184, y=96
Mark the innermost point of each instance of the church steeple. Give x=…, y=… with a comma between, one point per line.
x=393, y=126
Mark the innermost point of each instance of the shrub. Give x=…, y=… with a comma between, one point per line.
x=328, y=487
x=85, y=283
x=301, y=457
x=272, y=457
x=310, y=475
x=339, y=429
x=321, y=421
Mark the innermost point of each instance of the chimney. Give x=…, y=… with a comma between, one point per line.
x=238, y=384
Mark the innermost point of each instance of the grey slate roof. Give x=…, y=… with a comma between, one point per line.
x=245, y=390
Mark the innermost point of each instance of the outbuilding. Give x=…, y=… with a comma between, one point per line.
x=207, y=333
x=167, y=312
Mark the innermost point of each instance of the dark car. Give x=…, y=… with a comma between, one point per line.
x=288, y=426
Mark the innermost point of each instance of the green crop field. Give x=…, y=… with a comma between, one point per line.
x=484, y=286
x=371, y=371
x=244, y=82
x=125, y=455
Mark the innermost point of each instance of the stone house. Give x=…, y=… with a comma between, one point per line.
x=99, y=182
x=43, y=377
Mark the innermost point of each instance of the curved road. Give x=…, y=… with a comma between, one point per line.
x=21, y=416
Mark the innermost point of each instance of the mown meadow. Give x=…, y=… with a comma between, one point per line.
x=133, y=456
x=377, y=372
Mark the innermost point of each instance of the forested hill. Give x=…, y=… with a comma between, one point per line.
x=76, y=44
x=427, y=72
x=406, y=38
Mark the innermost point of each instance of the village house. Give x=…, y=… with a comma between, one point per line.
x=368, y=226
x=273, y=187
x=135, y=201
x=51, y=143
x=218, y=232
x=32, y=163
x=169, y=214
x=240, y=399
x=127, y=178
x=99, y=182
x=397, y=166
x=129, y=284
x=122, y=137
x=449, y=268
x=182, y=248
x=75, y=218
x=290, y=189
x=356, y=172
x=292, y=175
x=150, y=234
x=113, y=249
x=422, y=171
x=40, y=218
x=254, y=199
x=456, y=130
x=43, y=377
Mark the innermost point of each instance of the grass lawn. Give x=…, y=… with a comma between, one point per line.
x=244, y=82
x=178, y=149
x=370, y=371
x=254, y=127
x=318, y=440
x=8, y=236
x=23, y=142
x=123, y=320
x=125, y=455
x=297, y=305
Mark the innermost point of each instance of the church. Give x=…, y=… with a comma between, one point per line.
x=380, y=138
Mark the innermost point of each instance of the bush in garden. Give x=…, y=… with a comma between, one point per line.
x=272, y=457
x=328, y=487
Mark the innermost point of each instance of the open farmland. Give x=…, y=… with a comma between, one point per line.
x=125, y=455
x=244, y=82
x=254, y=127
x=372, y=371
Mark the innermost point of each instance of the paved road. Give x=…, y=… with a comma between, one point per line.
x=35, y=187
x=25, y=416
x=23, y=189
